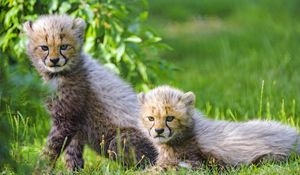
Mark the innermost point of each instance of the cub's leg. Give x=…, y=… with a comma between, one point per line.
x=135, y=148
x=73, y=155
x=58, y=139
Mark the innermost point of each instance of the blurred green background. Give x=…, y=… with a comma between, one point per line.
x=226, y=49
x=241, y=59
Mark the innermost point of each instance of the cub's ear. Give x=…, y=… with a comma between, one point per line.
x=27, y=27
x=141, y=97
x=79, y=25
x=188, y=99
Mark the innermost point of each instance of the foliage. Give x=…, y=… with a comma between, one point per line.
x=115, y=33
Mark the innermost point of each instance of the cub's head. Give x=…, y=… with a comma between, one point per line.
x=166, y=113
x=54, y=42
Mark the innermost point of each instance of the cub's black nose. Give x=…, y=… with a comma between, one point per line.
x=159, y=131
x=54, y=60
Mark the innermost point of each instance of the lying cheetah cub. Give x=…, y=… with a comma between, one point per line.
x=183, y=136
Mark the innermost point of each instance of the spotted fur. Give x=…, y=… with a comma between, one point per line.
x=196, y=139
x=90, y=103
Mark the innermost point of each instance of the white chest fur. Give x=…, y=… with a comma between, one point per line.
x=53, y=84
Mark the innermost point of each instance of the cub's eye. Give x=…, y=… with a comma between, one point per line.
x=150, y=118
x=64, y=47
x=44, y=48
x=170, y=118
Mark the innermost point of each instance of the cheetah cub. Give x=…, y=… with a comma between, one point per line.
x=183, y=136
x=90, y=103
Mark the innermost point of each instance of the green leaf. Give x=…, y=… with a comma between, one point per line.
x=105, y=53
x=64, y=7
x=142, y=70
x=10, y=15
x=143, y=16
x=112, y=67
x=134, y=39
x=89, y=44
x=53, y=6
x=120, y=51
x=155, y=39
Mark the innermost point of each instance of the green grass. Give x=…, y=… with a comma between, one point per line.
x=241, y=58
x=225, y=58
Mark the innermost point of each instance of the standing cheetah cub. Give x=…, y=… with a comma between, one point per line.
x=183, y=136
x=90, y=103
